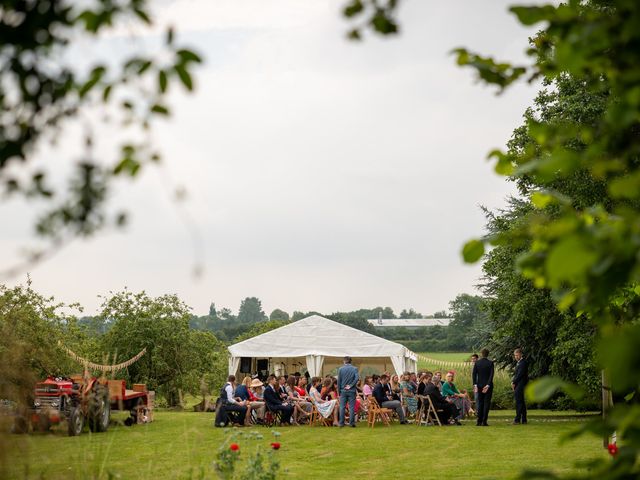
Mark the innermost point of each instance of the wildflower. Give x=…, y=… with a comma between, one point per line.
x=234, y=447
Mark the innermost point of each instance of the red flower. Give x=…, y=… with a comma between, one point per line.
x=234, y=447
x=613, y=449
x=275, y=445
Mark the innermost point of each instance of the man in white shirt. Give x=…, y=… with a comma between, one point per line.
x=233, y=404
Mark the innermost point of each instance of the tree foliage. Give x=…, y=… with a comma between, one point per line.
x=40, y=92
x=177, y=359
x=251, y=311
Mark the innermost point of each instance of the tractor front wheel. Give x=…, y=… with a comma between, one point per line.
x=75, y=421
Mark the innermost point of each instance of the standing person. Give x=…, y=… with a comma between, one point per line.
x=519, y=381
x=483, y=371
x=347, y=380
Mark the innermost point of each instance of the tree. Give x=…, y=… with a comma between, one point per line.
x=251, y=311
x=177, y=357
x=278, y=314
x=31, y=327
x=410, y=314
x=587, y=256
x=469, y=318
x=39, y=92
x=212, y=311
x=260, y=328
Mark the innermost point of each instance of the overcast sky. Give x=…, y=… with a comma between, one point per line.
x=321, y=174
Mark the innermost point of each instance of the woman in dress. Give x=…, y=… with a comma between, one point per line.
x=302, y=407
x=460, y=399
x=367, y=388
x=395, y=387
x=326, y=408
x=255, y=402
x=409, y=393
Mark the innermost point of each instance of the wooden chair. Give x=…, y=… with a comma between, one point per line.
x=272, y=418
x=432, y=413
x=376, y=412
x=317, y=419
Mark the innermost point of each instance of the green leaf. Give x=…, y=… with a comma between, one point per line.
x=144, y=16
x=541, y=200
x=144, y=67
x=569, y=260
x=188, y=56
x=161, y=109
x=473, y=251
x=106, y=93
x=162, y=81
x=353, y=8
x=533, y=15
x=542, y=389
x=184, y=75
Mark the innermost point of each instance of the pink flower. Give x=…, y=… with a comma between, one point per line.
x=234, y=447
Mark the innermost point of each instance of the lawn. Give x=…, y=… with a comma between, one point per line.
x=184, y=444
x=447, y=356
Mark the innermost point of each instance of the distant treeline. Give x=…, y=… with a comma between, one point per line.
x=230, y=328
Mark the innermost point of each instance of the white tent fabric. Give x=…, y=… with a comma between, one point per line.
x=316, y=338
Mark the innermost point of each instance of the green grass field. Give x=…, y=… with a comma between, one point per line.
x=184, y=445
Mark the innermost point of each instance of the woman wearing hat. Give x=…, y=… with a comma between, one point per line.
x=255, y=402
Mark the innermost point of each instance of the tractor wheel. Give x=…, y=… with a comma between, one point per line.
x=75, y=421
x=20, y=425
x=99, y=409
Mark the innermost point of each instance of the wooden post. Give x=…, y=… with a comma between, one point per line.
x=607, y=403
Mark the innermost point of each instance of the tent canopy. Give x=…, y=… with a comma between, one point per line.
x=316, y=339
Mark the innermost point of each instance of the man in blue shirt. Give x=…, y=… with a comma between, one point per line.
x=347, y=381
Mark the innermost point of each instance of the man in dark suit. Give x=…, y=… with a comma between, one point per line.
x=518, y=382
x=382, y=394
x=483, y=371
x=449, y=411
x=274, y=401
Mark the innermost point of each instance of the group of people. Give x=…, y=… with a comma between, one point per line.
x=294, y=397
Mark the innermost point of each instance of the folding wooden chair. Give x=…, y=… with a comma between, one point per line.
x=272, y=418
x=317, y=419
x=432, y=413
x=376, y=412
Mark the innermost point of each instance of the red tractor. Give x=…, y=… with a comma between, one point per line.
x=77, y=401
x=74, y=400
x=84, y=399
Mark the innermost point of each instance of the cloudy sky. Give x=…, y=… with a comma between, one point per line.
x=321, y=174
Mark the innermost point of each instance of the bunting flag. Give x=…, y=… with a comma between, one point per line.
x=103, y=368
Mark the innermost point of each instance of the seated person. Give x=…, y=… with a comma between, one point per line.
x=329, y=389
x=409, y=393
x=437, y=380
x=255, y=402
x=367, y=387
x=274, y=401
x=449, y=412
x=394, y=385
x=326, y=408
x=233, y=406
x=460, y=399
x=383, y=395
x=302, y=407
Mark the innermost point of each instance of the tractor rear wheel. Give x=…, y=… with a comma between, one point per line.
x=75, y=423
x=99, y=409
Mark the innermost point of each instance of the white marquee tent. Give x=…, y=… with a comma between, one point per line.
x=319, y=344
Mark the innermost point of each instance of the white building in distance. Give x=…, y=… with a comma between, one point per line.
x=408, y=322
